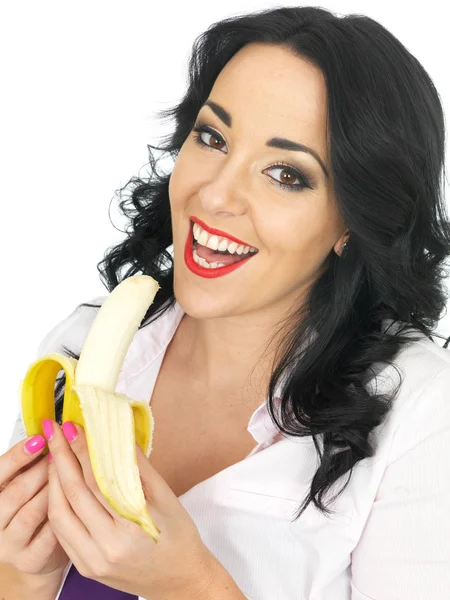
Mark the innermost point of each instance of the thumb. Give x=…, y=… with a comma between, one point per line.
x=156, y=490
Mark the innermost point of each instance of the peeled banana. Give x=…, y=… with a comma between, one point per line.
x=113, y=423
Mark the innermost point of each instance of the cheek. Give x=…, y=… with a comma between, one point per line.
x=295, y=247
x=182, y=181
x=174, y=185
x=288, y=237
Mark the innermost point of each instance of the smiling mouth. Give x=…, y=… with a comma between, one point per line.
x=222, y=235
x=223, y=257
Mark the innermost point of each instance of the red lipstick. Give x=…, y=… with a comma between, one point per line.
x=204, y=271
x=219, y=232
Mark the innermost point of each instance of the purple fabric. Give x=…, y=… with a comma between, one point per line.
x=77, y=587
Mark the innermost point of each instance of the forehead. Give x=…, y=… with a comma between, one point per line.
x=269, y=86
x=271, y=92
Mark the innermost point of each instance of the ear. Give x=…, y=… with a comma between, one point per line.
x=341, y=241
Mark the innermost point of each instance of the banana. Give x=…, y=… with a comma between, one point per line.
x=113, y=423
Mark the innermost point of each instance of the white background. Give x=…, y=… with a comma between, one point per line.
x=81, y=84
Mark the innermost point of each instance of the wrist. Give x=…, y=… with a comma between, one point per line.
x=219, y=585
x=42, y=585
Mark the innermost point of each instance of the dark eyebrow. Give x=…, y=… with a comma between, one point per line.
x=275, y=142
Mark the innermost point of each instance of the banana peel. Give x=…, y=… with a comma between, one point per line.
x=113, y=423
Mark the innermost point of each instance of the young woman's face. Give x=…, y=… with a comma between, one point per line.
x=231, y=183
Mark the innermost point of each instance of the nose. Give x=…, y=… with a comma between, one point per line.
x=224, y=195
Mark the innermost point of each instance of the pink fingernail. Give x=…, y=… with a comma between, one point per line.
x=50, y=457
x=35, y=444
x=47, y=426
x=69, y=431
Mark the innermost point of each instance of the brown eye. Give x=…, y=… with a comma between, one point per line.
x=288, y=177
x=291, y=174
x=214, y=140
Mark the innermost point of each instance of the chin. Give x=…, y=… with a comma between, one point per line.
x=200, y=304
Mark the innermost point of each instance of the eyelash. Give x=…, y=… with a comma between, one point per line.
x=302, y=176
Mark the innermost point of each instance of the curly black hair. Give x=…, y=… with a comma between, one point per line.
x=386, y=130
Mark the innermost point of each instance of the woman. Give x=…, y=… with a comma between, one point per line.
x=309, y=154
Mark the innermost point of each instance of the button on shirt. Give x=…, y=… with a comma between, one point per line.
x=388, y=538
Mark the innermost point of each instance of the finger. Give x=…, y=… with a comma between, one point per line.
x=39, y=458
x=43, y=538
x=24, y=524
x=19, y=456
x=61, y=548
x=158, y=493
x=70, y=531
x=41, y=524
x=82, y=510
x=21, y=490
x=78, y=443
x=62, y=518
x=45, y=543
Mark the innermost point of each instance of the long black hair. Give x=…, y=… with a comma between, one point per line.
x=386, y=130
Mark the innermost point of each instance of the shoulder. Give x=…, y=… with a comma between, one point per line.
x=69, y=332
x=148, y=343
x=421, y=408
x=72, y=330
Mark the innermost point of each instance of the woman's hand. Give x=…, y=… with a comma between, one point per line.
x=27, y=541
x=112, y=550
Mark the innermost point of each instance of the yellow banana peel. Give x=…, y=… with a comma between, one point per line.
x=113, y=423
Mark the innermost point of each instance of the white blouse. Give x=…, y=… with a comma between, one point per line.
x=390, y=536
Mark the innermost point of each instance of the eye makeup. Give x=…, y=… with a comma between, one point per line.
x=297, y=172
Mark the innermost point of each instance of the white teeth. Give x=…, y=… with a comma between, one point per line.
x=203, y=263
x=213, y=242
x=203, y=238
x=223, y=245
x=219, y=243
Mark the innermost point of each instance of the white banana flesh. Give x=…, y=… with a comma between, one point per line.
x=109, y=417
x=109, y=429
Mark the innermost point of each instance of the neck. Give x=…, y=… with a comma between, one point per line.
x=229, y=355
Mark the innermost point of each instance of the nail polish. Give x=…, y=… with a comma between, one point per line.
x=47, y=426
x=69, y=431
x=50, y=457
x=35, y=444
